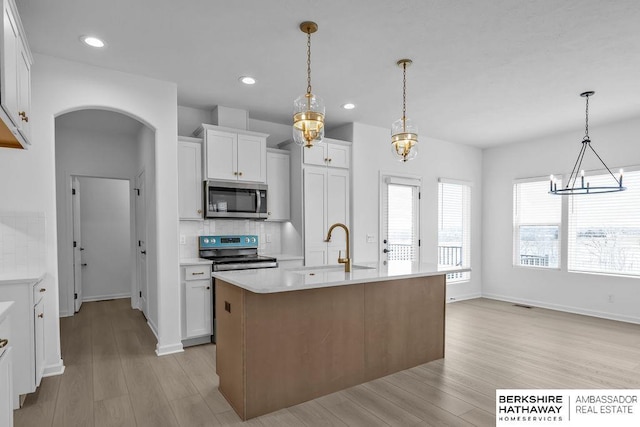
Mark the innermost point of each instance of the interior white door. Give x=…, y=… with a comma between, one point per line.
x=141, y=237
x=77, y=243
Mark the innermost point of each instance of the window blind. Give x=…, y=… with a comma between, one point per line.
x=604, y=229
x=536, y=224
x=454, y=227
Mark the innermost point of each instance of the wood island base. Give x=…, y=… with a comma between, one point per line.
x=275, y=350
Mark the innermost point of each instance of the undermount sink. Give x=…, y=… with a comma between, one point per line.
x=327, y=269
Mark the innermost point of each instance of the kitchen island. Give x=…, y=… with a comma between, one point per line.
x=285, y=336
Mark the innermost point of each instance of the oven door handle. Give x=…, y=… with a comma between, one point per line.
x=259, y=202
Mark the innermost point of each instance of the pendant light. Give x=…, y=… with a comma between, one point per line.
x=404, y=134
x=571, y=187
x=308, y=109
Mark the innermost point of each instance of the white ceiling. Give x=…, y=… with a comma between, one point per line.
x=484, y=72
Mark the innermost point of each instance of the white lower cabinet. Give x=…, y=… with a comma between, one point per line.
x=290, y=263
x=197, y=304
x=8, y=400
x=27, y=322
x=6, y=389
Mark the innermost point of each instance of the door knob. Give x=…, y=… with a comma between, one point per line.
x=385, y=250
x=143, y=252
x=41, y=315
x=84, y=264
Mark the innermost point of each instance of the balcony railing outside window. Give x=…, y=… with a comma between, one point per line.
x=451, y=255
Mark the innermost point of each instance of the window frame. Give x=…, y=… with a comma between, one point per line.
x=466, y=249
x=515, y=228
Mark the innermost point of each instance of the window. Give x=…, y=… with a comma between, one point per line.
x=454, y=227
x=400, y=219
x=536, y=224
x=604, y=229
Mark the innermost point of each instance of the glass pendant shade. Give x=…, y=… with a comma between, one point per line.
x=404, y=140
x=308, y=120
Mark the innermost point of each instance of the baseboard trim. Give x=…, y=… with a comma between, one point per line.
x=164, y=350
x=464, y=297
x=565, y=308
x=106, y=297
x=53, y=370
x=196, y=341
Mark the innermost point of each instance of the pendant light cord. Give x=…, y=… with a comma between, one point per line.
x=586, y=120
x=404, y=96
x=308, y=62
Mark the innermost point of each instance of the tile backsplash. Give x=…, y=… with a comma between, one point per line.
x=22, y=245
x=265, y=230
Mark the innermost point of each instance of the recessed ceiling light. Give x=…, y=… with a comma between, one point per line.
x=349, y=106
x=247, y=80
x=92, y=41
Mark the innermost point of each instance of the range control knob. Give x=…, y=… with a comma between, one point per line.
x=213, y=241
x=206, y=240
x=253, y=240
x=246, y=240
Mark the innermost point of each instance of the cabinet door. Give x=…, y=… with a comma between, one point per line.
x=337, y=210
x=278, y=181
x=6, y=389
x=221, y=152
x=338, y=155
x=10, y=64
x=198, y=308
x=252, y=158
x=315, y=221
x=24, y=93
x=316, y=155
x=189, y=180
x=38, y=322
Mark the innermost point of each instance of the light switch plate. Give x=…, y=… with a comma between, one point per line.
x=183, y=239
x=371, y=238
x=267, y=238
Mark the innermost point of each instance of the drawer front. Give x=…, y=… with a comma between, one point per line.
x=197, y=272
x=38, y=292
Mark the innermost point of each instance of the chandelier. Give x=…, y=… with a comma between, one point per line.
x=404, y=134
x=308, y=109
x=572, y=187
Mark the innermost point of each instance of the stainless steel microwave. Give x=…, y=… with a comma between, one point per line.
x=235, y=200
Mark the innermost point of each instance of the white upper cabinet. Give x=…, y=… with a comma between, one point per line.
x=189, y=178
x=278, y=194
x=233, y=155
x=15, y=81
x=330, y=152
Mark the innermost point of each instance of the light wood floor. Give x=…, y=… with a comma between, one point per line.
x=113, y=377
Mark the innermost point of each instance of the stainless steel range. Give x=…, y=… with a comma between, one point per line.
x=234, y=253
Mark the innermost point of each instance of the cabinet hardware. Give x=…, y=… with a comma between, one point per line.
x=43, y=289
x=197, y=274
x=330, y=160
x=84, y=264
x=41, y=315
x=4, y=342
x=23, y=116
x=385, y=250
x=199, y=211
x=143, y=252
x=208, y=287
x=240, y=173
x=326, y=159
x=235, y=173
x=227, y=306
x=268, y=213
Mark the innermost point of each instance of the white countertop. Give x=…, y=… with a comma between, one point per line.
x=272, y=280
x=195, y=261
x=9, y=279
x=285, y=257
x=5, y=307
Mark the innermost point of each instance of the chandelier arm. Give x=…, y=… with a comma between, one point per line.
x=575, y=165
x=584, y=151
x=604, y=164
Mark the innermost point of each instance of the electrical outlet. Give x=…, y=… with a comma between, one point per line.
x=267, y=238
x=610, y=297
x=183, y=239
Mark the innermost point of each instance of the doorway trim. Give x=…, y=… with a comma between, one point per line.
x=68, y=237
